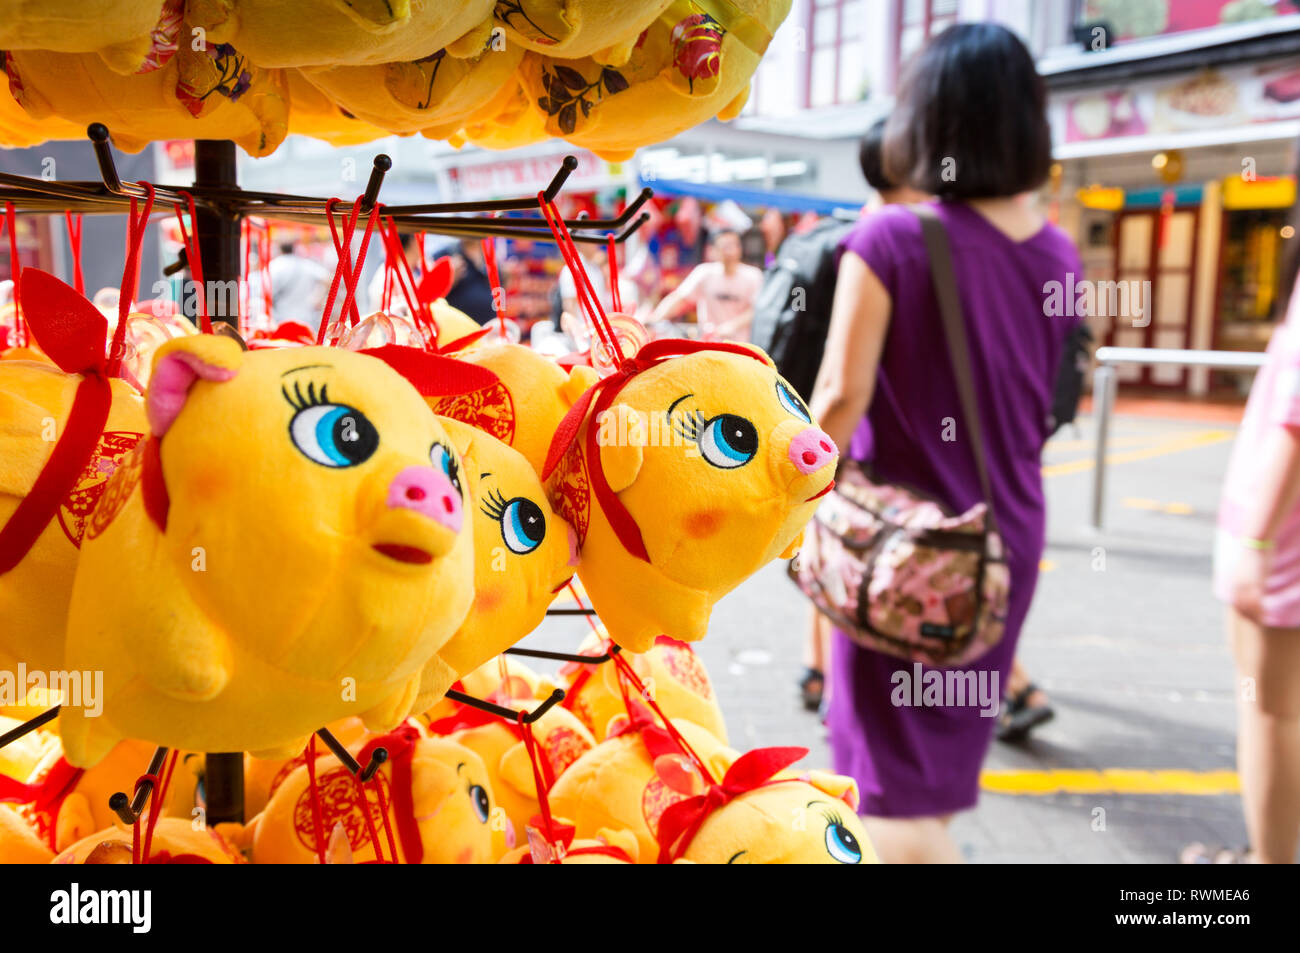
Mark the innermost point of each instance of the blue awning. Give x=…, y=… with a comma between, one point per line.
x=751, y=198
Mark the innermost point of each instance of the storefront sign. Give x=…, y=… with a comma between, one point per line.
x=527, y=175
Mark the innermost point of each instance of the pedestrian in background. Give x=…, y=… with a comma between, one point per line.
x=970, y=127
x=816, y=654
x=1257, y=573
x=722, y=291
x=298, y=287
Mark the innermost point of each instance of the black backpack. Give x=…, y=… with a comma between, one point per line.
x=1075, y=358
x=793, y=308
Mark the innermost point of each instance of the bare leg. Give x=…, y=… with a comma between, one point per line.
x=816, y=653
x=1268, y=736
x=913, y=840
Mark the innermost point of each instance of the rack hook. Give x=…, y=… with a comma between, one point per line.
x=130, y=809
x=381, y=166
x=377, y=758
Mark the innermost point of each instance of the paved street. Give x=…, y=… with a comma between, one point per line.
x=1124, y=635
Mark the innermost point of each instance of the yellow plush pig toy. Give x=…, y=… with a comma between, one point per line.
x=523, y=553
x=570, y=29
x=353, y=32
x=287, y=547
x=561, y=740
x=18, y=842
x=758, y=814
x=692, y=63
x=527, y=406
x=671, y=670
x=683, y=473
x=628, y=780
x=174, y=841
x=439, y=799
x=54, y=469
x=120, y=31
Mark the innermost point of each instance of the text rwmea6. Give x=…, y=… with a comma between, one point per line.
x=75, y=906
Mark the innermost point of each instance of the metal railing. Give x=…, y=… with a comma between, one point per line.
x=1105, y=383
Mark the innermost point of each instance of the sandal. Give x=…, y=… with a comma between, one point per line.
x=1018, y=718
x=811, y=688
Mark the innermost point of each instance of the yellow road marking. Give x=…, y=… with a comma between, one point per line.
x=1111, y=781
x=1202, y=439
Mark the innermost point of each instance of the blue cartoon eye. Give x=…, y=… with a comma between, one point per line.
x=792, y=402
x=443, y=459
x=728, y=441
x=479, y=798
x=523, y=525
x=333, y=435
x=841, y=844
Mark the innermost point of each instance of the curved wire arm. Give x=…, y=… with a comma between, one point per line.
x=509, y=714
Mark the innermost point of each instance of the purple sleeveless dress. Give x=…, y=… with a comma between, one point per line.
x=916, y=760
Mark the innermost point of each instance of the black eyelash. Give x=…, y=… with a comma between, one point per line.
x=688, y=425
x=300, y=402
x=494, y=504
x=832, y=817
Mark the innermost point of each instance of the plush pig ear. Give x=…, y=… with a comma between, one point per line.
x=836, y=785
x=177, y=365
x=581, y=379
x=461, y=434
x=623, y=839
x=623, y=434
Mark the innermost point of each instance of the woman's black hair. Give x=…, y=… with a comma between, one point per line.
x=970, y=120
x=869, y=157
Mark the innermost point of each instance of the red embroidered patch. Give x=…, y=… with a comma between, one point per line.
x=655, y=799
x=563, y=747
x=91, y=485
x=685, y=667
x=113, y=492
x=490, y=409
x=339, y=804
x=569, y=490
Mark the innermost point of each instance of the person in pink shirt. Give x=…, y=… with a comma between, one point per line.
x=1257, y=573
x=722, y=292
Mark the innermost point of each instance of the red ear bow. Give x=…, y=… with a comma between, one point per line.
x=436, y=281
x=68, y=328
x=434, y=375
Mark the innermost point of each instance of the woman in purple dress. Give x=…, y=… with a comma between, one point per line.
x=970, y=128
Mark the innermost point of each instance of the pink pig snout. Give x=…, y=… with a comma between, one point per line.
x=428, y=492
x=811, y=450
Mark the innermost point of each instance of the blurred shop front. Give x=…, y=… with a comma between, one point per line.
x=1175, y=137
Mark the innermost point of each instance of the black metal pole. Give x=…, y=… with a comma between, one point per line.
x=218, y=235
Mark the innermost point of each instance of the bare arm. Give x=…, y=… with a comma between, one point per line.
x=1277, y=494
x=680, y=298
x=859, y=319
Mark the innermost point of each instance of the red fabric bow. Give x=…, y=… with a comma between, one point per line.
x=681, y=821
x=434, y=375
x=400, y=743
x=45, y=796
x=72, y=332
x=599, y=397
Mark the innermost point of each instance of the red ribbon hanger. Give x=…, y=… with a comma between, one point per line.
x=195, y=260
x=74, y=244
x=22, y=332
x=344, y=270
x=682, y=821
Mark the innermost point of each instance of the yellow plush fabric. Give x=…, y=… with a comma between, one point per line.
x=337, y=32
x=519, y=682
x=453, y=325
x=19, y=759
x=575, y=853
x=808, y=821
x=435, y=94
x=285, y=592
x=685, y=68
x=18, y=842
x=515, y=121
x=172, y=838
x=451, y=800
x=35, y=399
x=671, y=669
x=616, y=786
x=212, y=93
x=18, y=130
x=85, y=809
x=262, y=776
x=523, y=553
x=534, y=396
x=706, y=527
x=562, y=740
x=571, y=29
x=312, y=113
x=118, y=29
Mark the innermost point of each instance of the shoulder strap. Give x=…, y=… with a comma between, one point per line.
x=954, y=326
